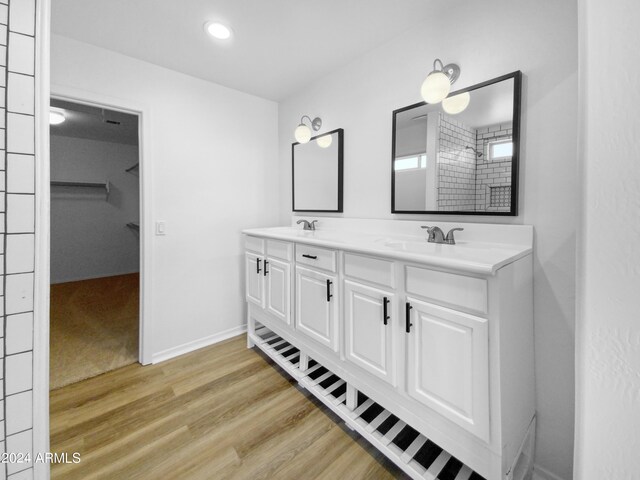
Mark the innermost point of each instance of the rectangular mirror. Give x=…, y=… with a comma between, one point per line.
x=464, y=163
x=317, y=170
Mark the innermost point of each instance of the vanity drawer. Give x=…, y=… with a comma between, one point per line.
x=277, y=249
x=448, y=289
x=369, y=269
x=254, y=244
x=316, y=257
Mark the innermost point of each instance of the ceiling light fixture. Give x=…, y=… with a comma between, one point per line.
x=437, y=85
x=56, y=116
x=302, y=132
x=218, y=30
x=457, y=103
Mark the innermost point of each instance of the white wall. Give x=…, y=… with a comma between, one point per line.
x=608, y=328
x=89, y=237
x=214, y=156
x=486, y=39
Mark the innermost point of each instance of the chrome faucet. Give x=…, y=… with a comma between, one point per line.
x=308, y=225
x=436, y=235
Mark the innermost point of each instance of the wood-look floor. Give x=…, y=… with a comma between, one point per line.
x=223, y=412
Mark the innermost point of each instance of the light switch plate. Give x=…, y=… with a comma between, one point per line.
x=161, y=228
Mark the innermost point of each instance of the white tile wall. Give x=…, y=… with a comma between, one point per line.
x=20, y=253
x=17, y=218
x=22, y=16
x=19, y=408
x=20, y=133
x=18, y=373
x=23, y=475
x=20, y=213
x=19, y=443
x=19, y=293
x=21, y=53
x=21, y=96
x=19, y=333
x=20, y=173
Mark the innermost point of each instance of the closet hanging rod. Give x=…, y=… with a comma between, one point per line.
x=132, y=168
x=106, y=185
x=133, y=226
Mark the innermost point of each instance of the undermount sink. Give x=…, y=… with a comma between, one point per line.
x=409, y=246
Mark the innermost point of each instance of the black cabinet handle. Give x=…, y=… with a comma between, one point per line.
x=385, y=315
x=312, y=257
x=266, y=262
x=258, y=260
x=329, y=282
x=408, y=318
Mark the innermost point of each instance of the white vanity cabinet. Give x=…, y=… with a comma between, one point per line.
x=369, y=314
x=268, y=276
x=254, y=278
x=317, y=295
x=439, y=341
x=447, y=363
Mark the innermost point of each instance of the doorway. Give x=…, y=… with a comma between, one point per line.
x=95, y=240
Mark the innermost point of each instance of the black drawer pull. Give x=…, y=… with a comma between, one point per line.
x=385, y=315
x=408, y=318
x=312, y=257
x=258, y=260
x=329, y=282
x=266, y=262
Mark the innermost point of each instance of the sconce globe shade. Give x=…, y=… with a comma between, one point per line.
x=56, y=118
x=436, y=87
x=324, y=141
x=457, y=103
x=302, y=133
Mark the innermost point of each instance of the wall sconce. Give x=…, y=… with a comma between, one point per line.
x=303, y=132
x=457, y=103
x=324, y=141
x=437, y=85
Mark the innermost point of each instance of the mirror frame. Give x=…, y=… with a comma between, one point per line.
x=517, y=95
x=340, y=133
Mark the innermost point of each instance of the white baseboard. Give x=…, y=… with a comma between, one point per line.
x=540, y=473
x=197, y=344
x=56, y=281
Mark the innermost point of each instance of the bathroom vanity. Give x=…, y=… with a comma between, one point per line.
x=425, y=349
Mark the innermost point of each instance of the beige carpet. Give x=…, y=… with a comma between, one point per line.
x=94, y=327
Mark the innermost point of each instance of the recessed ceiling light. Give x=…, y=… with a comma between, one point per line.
x=56, y=116
x=218, y=30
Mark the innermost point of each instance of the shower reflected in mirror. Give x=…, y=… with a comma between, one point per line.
x=464, y=163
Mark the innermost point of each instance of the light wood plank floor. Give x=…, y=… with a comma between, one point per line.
x=223, y=412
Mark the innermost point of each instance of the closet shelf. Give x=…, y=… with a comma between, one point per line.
x=106, y=185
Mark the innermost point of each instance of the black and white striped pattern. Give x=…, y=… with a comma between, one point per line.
x=406, y=447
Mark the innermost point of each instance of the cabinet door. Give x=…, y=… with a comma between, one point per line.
x=369, y=324
x=278, y=286
x=448, y=364
x=317, y=306
x=254, y=279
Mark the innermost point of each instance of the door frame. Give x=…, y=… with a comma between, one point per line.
x=94, y=99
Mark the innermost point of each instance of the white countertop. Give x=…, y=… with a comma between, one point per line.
x=466, y=256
